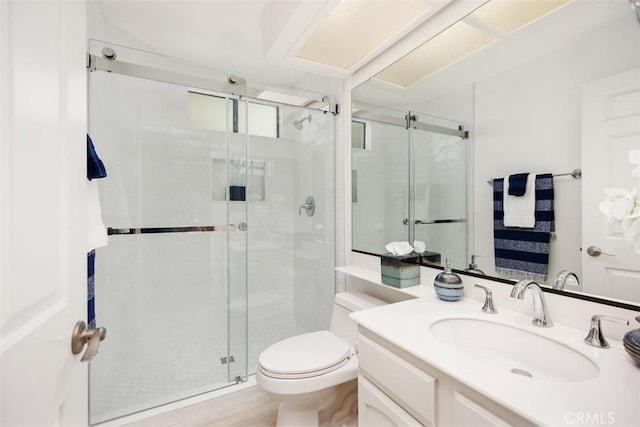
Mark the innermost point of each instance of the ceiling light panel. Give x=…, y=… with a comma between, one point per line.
x=449, y=46
x=510, y=15
x=355, y=28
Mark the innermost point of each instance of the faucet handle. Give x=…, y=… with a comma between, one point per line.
x=488, y=306
x=595, y=337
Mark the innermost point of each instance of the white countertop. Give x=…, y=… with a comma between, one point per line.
x=611, y=397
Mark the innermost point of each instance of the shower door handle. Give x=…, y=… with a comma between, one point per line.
x=162, y=230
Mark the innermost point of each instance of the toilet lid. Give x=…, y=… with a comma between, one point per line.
x=305, y=355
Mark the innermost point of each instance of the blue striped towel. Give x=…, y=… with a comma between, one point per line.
x=524, y=252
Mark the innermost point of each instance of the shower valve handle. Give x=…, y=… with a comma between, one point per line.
x=309, y=206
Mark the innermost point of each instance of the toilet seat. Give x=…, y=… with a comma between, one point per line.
x=304, y=356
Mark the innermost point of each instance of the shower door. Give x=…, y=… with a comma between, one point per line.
x=438, y=187
x=379, y=179
x=171, y=286
x=409, y=182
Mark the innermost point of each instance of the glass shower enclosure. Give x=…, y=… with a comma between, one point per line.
x=211, y=255
x=409, y=182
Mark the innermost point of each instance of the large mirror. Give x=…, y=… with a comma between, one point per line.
x=552, y=92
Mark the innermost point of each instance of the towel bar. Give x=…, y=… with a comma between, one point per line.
x=576, y=174
x=433, y=221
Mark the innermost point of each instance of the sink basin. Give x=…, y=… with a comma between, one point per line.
x=512, y=349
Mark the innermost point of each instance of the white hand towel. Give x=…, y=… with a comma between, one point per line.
x=520, y=211
x=399, y=248
x=97, y=232
x=419, y=246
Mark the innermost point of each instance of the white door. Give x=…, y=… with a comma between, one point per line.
x=610, y=129
x=42, y=211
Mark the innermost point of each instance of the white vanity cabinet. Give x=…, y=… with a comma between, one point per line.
x=397, y=389
x=376, y=409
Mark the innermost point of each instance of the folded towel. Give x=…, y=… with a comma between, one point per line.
x=399, y=248
x=519, y=211
x=521, y=252
x=97, y=233
x=518, y=184
x=419, y=246
x=95, y=167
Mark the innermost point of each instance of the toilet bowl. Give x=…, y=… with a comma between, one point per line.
x=312, y=375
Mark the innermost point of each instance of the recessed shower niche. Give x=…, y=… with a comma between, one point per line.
x=246, y=180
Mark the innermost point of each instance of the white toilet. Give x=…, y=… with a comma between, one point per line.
x=312, y=375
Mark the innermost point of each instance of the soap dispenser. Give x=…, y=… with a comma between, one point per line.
x=473, y=267
x=448, y=285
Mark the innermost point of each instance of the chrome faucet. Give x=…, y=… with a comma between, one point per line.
x=540, y=315
x=488, y=306
x=595, y=337
x=561, y=279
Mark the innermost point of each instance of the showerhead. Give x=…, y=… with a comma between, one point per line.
x=298, y=123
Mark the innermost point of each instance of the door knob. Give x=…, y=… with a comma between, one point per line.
x=82, y=336
x=595, y=251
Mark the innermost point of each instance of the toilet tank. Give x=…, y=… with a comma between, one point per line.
x=344, y=304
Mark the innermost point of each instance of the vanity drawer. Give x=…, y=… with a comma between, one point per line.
x=411, y=388
x=376, y=409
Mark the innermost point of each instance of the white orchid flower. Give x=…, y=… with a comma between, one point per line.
x=619, y=204
x=623, y=207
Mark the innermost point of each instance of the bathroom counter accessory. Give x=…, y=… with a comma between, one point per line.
x=400, y=271
x=448, y=285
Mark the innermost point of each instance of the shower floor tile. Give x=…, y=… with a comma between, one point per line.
x=178, y=372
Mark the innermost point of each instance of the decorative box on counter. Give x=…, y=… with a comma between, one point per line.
x=400, y=271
